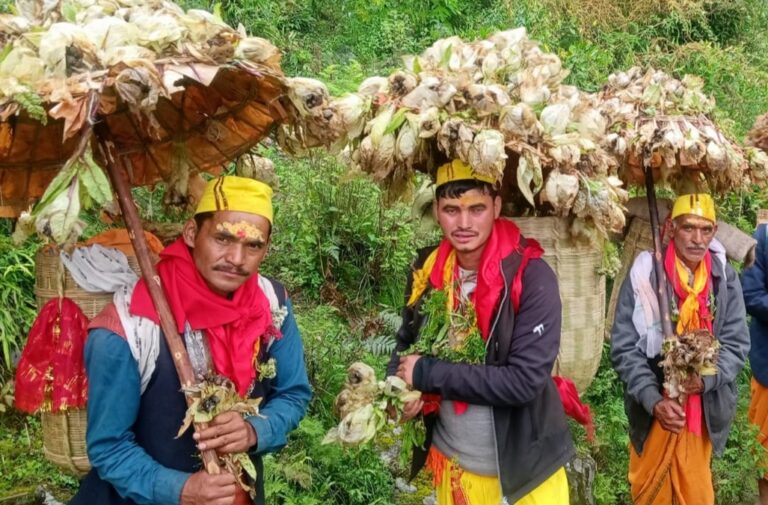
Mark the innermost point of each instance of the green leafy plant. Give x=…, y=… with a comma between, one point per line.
x=334, y=237
x=17, y=279
x=451, y=335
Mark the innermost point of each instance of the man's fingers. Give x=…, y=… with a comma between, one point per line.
x=677, y=409
x=223, y=480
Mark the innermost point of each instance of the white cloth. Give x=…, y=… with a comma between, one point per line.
x=142, y=334
x=99, y=269
x=646, y=316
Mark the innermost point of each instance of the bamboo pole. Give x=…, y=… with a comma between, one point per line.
x=658, y=255
x=119, y=179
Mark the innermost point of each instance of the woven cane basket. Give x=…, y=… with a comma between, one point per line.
x=64, y=440
x=582, y=291
x=64, y=432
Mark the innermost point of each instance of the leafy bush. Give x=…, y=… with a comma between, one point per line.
x=611, y=449
x=309, y=473
x=334, y=236
x=306, y=472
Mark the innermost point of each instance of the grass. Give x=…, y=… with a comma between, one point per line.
x=22, y=464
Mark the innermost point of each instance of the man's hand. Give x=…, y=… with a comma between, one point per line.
x=670, y=415
x=228, y=433
x=203, y=488
x=411, y=409
x=405, y=368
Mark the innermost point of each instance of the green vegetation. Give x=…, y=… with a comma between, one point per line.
x=17, y=296
x=344, y=255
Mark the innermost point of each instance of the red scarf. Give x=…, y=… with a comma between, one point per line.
x=503, y=241
x=693, y=408
x=52, y=360
x=233, y=326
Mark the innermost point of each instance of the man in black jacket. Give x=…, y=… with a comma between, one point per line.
x=496, y=431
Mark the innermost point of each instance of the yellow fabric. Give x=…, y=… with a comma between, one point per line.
x=758, y=415
x=690, y=311
x=457, y=170
x=239, y=194
x=673, y=469
x=421, y=278
x=700, y=205
x=454, y=485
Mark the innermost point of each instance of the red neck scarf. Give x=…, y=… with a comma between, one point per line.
x=503, y=241
x=233, y=325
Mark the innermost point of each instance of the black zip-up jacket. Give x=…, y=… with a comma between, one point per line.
x=531, y=432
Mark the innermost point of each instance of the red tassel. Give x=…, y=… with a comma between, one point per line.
x=573, y=406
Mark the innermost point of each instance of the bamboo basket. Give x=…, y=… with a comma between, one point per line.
x=64, y=440
x=582, y=291
x=64, y=432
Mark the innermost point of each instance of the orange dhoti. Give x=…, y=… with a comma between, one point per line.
x=673, y=469
x=758, y=413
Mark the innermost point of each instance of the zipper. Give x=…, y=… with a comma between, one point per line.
x=493, y=420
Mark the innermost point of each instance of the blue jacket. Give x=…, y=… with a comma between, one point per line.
x=754, y=281
x=130, y=436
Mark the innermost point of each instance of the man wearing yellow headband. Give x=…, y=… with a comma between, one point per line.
x=755, y=282
x=672, y=441
x=496, y=429
x=239, y=324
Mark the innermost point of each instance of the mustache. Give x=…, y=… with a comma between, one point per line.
x=231, y=270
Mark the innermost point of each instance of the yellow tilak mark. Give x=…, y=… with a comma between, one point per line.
x=468, y=201
x=242, y=230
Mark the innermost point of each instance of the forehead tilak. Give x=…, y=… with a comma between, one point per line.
x=241, y=229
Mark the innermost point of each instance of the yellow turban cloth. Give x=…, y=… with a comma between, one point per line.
x=239, y=194
x=700, y=205
x=457, y=170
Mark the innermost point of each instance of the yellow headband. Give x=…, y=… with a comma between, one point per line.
x=239, y=194
x=700, y=205
x=457, y=170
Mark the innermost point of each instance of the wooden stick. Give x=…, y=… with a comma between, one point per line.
x=119, y=179
x=658, y=255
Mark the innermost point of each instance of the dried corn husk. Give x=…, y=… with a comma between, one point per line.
x=480, y=101
x=663, y=121
x=131, y=54
x=361, y=405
